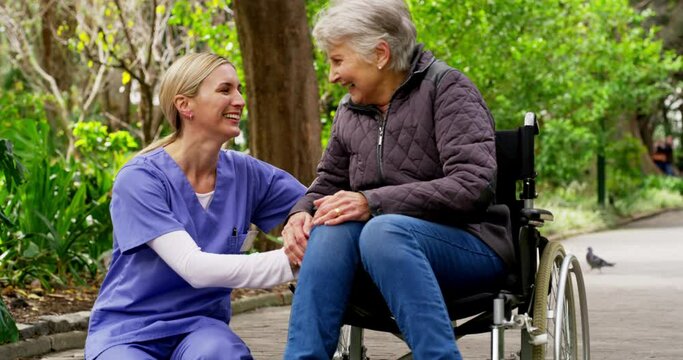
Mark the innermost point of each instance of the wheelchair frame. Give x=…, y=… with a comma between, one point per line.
x=548, y=279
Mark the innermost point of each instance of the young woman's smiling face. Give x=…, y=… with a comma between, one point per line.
x=219, y=103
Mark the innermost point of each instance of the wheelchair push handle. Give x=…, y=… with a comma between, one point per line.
x=530, y=120
x=527, y=132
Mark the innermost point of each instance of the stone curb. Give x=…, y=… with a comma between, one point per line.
x=259, y=301
x=43, y=345
x=55, y=324
x=64, y=332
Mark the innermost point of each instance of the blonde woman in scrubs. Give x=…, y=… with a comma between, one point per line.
x=181, y=212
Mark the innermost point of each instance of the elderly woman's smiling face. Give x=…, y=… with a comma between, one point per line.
x=351, y=70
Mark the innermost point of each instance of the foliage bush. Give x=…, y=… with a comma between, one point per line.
x=8, y=328
x=58, y=218
x=576, y=210
x=12, y=175
x=12, y=172
x=558, y=165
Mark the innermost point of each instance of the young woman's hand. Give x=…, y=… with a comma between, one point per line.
x=341, y=207
x=295, y=236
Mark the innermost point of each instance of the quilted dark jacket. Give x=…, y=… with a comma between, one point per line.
x=431, y=157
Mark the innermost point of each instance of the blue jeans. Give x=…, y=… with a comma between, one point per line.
x=410, y=260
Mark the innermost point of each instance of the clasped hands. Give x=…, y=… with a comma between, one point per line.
x=331, y=210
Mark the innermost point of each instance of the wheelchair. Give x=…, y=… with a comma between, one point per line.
x=546, y=292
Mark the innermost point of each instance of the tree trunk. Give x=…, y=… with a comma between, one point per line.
x=54, y=58
x=116, y=104
x=55, y=62
x=636, y=129
x=282, y=90
x=646, y=126
x=46, y=35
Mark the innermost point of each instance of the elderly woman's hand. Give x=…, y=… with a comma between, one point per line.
x=341, y=207
x=295, y=236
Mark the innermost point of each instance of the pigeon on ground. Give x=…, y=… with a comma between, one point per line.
x=595, y=261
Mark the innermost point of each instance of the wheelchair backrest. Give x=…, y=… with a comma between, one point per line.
x=515, y=160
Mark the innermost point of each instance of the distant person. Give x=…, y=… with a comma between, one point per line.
x=404, y=189
x=663, y=155
x=669, y=152
x=181, y=212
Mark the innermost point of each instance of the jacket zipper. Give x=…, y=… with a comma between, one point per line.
x=380, y=140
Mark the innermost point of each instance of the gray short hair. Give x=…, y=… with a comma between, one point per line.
x=363, y=23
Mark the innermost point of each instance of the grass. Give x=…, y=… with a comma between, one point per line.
x=576, y=210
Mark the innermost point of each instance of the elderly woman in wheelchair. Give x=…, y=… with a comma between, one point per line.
x=402, y=230
x=404, y=198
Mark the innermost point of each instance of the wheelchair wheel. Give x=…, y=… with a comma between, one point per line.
x=547, y=302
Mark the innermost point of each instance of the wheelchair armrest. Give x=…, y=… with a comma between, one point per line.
x=536, y=217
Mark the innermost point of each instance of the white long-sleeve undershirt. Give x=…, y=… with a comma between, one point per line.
x=201, y=269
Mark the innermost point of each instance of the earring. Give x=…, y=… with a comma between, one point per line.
x=379, y=67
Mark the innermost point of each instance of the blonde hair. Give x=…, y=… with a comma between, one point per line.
x=183, y=77
x=363, y=23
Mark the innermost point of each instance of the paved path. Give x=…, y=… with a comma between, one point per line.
x=635, y=307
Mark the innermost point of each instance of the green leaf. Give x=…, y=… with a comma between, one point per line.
x=8, y=328
x=5, y=220
x=31, y=251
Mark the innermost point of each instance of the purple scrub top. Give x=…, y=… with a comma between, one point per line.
x=141, y=297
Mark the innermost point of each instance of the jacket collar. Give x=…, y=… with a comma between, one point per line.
x=421, y=61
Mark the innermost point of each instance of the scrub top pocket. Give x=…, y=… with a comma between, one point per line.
x=242, y=243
